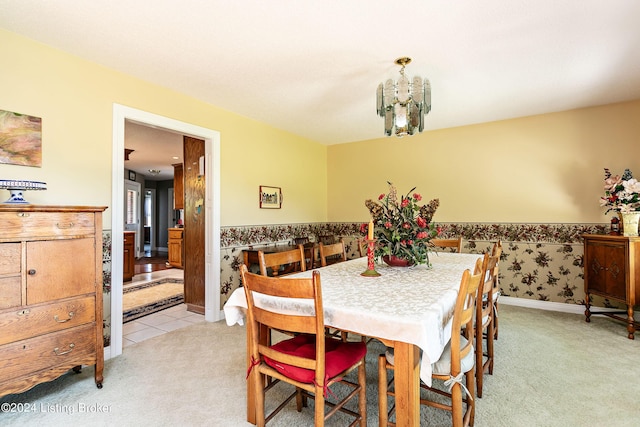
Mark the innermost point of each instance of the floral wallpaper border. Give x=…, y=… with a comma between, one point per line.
x=541, y=262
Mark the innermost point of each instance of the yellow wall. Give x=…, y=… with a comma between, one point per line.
x=546, y=168
x=540, y=169
x=75, y=100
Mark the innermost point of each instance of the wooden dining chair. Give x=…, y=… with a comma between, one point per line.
x=310, y=255
x=457, y=360
x=496, y=250
x=327, y=239
x=362, y=247
x=309, y=250
x=282, y=263
x=331, y=254
x=484, y=321
x=454, y=245
x=309, y=361
x=300, y=240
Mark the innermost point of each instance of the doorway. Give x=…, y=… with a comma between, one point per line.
x=149, y=213
x=211, y=210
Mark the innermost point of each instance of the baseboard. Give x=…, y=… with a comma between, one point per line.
x=548, y=305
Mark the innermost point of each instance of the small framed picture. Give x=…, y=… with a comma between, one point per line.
x=132, y=176
x=270, y=197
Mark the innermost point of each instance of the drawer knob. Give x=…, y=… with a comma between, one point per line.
x=32, y=272
x=71, y=314
x=60, y=353
x=64, y=226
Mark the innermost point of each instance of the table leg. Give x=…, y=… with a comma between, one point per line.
x=407, y=384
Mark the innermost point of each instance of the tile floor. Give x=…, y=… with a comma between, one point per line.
x=161, y=322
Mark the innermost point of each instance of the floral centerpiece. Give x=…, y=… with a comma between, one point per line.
x=621, y=193
x=402, y=228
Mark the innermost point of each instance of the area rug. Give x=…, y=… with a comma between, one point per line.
x=144, y=299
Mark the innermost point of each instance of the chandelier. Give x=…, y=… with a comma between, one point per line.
x=404, y=103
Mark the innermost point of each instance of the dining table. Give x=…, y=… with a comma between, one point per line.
x=407, y=308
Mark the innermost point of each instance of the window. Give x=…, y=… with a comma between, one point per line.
x=132, y=207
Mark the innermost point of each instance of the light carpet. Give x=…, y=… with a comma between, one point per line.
x=552, y=369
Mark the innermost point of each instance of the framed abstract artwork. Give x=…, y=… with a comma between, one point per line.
x=20, y=139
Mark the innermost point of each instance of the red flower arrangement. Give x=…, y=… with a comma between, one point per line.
x=403, y=228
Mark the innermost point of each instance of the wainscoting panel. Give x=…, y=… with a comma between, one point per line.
x=540, y=262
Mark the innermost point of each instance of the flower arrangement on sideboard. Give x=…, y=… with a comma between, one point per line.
x=621, y=193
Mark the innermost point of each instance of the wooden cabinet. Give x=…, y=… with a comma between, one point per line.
x=129, y=266
x=50, y=294
x=176, y=247
x=178, y=186
x=612, y=271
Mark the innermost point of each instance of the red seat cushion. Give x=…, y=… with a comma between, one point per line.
x=339, y=356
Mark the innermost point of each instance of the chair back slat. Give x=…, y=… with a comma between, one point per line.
x=291, y=261
x=292, y=323
x=453, y=244
x=330, y=254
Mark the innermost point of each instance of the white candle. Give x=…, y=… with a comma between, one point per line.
x=370, y=230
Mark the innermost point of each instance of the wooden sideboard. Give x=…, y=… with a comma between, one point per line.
x=612, y=271
x=50, y=293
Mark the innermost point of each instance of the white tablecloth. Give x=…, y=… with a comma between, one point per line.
x=413, y=305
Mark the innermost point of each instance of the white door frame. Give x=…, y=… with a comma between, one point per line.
x=211, y=139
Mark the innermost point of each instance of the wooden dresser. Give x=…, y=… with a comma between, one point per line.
x=612, y=271
x=50, y=293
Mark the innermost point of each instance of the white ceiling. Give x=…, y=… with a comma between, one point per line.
x=153, y=148
x=312, y=67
